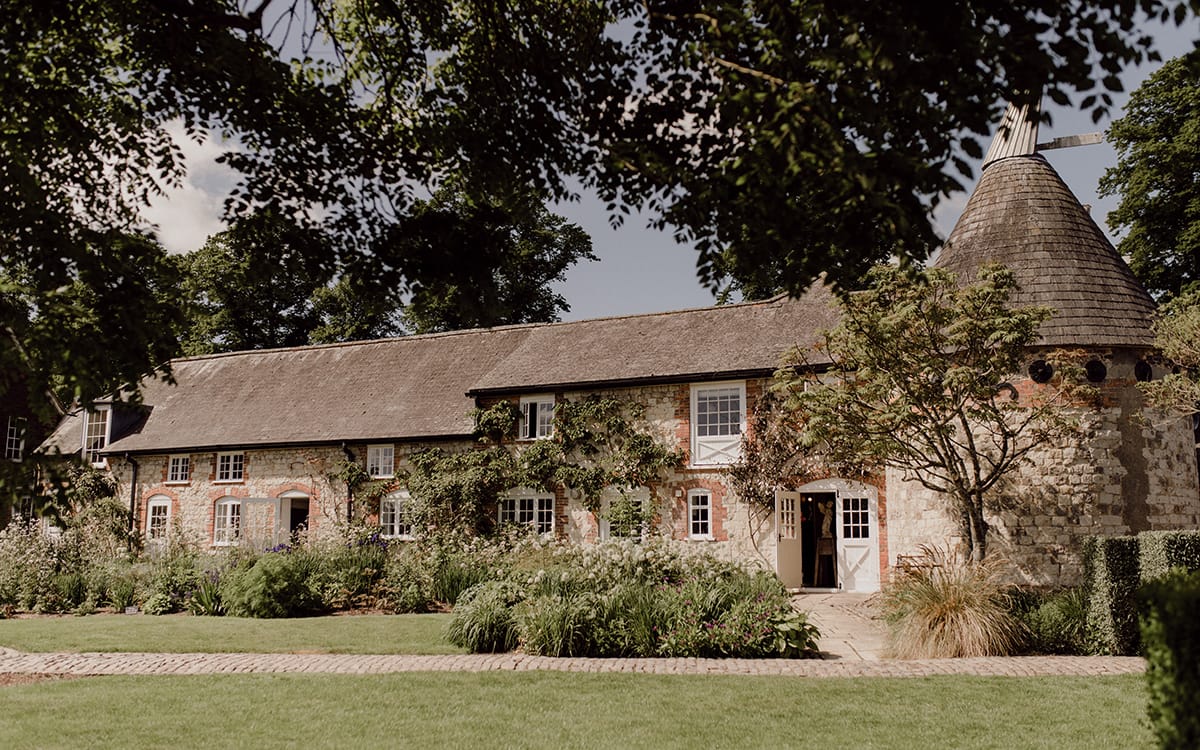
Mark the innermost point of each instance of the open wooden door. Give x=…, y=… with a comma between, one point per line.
x=858, y=543
x=789, y=553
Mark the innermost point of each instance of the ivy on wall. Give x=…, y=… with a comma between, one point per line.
x=599, y=442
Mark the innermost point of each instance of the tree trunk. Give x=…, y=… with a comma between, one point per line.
x=979, y=528
x=974, y=527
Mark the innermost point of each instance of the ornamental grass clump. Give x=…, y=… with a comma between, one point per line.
x=484, y=620
x=947, y=608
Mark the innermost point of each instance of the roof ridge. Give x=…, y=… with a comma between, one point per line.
x=475, y=331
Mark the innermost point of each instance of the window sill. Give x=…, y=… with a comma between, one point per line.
x=382, y=476
x=178, y=482
x=701, y=539
x=229, y=481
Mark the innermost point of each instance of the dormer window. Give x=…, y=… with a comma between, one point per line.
x=381, y=461
x=231, y=467
x=96, y=433
x=537, y=418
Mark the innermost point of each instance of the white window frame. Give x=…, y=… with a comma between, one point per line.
x=528, y=507
x=174, y=473
x=381, y=460
x=14, y=438
x=724, y=447
x=157, y=533
x=606, y=531
x=702, y=529
x=91, y=453
x=227, y=521
x=543, y=426
x=395, y=521
x=235, y=460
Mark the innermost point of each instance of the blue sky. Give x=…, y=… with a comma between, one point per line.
x=644, y=270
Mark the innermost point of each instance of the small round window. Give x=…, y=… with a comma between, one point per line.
x=1040, y=371
x=1142, y=371
x=1096, y=371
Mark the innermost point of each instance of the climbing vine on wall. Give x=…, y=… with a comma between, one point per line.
x=771, y=456
x=452, y=490
x=365, y=491
x=599, y=442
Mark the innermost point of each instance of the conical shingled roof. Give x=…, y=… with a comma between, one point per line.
x=1022, y=215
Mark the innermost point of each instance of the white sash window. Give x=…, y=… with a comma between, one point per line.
x=718, y=420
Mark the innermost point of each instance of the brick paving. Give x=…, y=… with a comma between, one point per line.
x=181, y=664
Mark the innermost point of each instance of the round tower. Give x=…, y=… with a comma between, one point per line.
x=1128, y=468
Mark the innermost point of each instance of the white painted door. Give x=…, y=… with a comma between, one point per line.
x=858, y=542
x=789, y=557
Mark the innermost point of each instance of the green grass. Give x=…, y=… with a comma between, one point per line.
x=363, y=634
x=557, y=710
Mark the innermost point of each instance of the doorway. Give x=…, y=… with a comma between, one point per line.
x=827, y=536
x=818, y=528
x=299, y=518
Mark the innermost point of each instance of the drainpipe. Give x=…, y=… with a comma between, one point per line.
x=349, y=454
x=132, y=497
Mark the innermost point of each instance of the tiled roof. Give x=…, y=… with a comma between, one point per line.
x=705, y=343
x=1023, y=216
x=418, y=386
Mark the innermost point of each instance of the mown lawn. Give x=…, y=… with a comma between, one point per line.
x=349, y=634
x=575, y=710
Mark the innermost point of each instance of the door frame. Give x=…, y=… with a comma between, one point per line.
x=844, y=488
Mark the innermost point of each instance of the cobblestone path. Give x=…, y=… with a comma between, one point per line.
x=166, y=664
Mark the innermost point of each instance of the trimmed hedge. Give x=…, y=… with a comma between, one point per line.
x=1110, y=570
x=1115, y=567
x=1171, y=634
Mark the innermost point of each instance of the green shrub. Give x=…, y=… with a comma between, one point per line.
x=406, y=585
x=276, y=585
x=122, y=591
x=949, y=609
x=1170, y=632
x=1159, y=552
x=350, y=572
x=1114, y=568
x=564, y=626
x=30, y=560
x=158, y=604
x=206, y=597
x=626, y=599
x=1111, y=579
x=484, y=620
x=455, y=573
x=71, y=589
x=171, y=580
x=1057, y=623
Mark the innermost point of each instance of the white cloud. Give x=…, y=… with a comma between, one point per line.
x=186, y=215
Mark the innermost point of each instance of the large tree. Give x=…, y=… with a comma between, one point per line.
x=915, y=378
x=251, y=287
x=475, y=261
x=1158, y=150
x=1177, y=335
x=784, y=139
